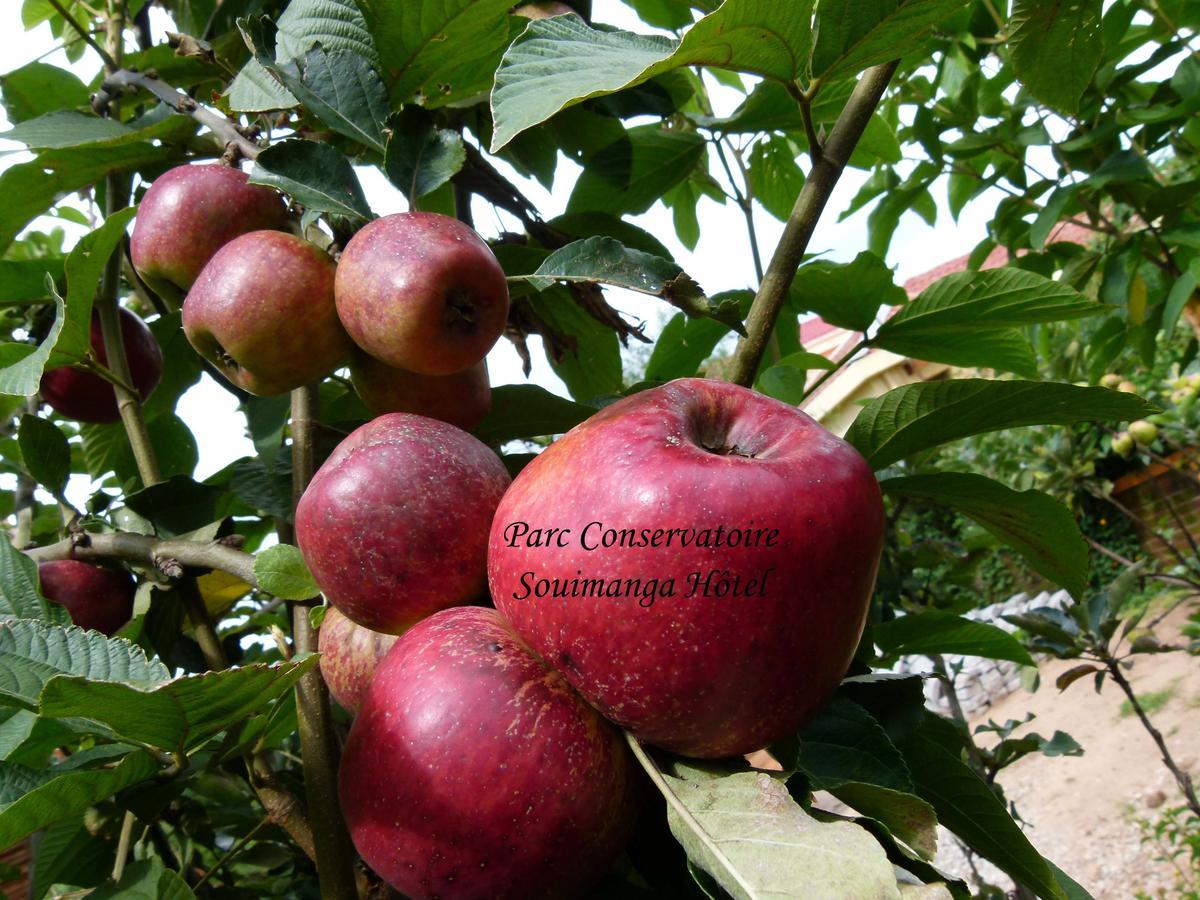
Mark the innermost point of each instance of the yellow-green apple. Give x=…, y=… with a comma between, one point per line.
x=191, y=212
x=474, y=771
x=543, y=9
x=349, y=655
x=422, y=292
x=697, y=560
x=95, y=597
x=462, y=399
x=1111, y=380
x=394, y=525
x=1123, y=444
x=262, y=312
x=1143, y=432
x=86, y=397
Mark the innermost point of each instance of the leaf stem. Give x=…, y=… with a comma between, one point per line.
x=773, y=292
x=318, y=744
x=123, y=846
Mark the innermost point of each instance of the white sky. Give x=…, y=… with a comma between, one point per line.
x=721, y=260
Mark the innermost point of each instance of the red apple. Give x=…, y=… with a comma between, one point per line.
x=423, y=292
x=349, y=655
x=462, y=399
x=262, y=312
x=474, y=771
x=191, y=212
x=697, y=560
x=394, y=526
x=97, y=598
x=85, y=397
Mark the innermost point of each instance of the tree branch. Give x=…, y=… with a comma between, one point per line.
x=224, y=129
x=109, y=62
x=318, y=744
x=167, y=555
x=773, y=292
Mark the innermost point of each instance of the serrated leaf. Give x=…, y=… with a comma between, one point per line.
x=847, y=295
x=1056, y=47
x=637, y=169
x=1033, y=523
x=683, y=346
x=853, y=36
x=178, y=714
x=747, y=832
x=46, y=453
x=20, y=597
x=787, y=380
x=904, y=814
x=39, y=88
x=559, y=62
x=420, y=156
x=522, y=411
x=145, y=879
x=316, y=175
x=282, y=572
x=933, y=631
x=590, y=363
x=844, y=743
x=918, y=417
x=31, y=653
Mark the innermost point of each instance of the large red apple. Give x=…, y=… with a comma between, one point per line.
x=191, y=212
x=474, y=771
x=423, y=292
x=394, y=526
x=85, y=397
x=462, y=399
x=697, y=560
x=349, y=656
x=262, y=312
x=95, y=597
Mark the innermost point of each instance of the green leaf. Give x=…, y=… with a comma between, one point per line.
x=65, y=129
x=590, y=364
x=967, y=806
x=847, y=295
x=145, y=879
x=844, y=744
x=748, y=834
x=685, y=343
x=775, y=176
x=176, y=715
x=629, y=175
x=438, y=51
x=25, y=279
x=37, y=798
x=316, y=175
x=20, y=597
x=559, y=62
x=1181, y=292
x=1056, y=47
x=38, y=88
x=281, y=572
x=420, y=156
x=934, y=631
x=904, y=814
x=521, y=411
x=918, y=417
x=1040, y=528
x=787, y=380
x=177, y=505
x=852, y=36
x=31, y=653
x=46, y=453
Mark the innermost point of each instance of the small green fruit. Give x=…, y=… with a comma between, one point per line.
x=1110, y=380
x=1143, y=432
x=1122, y=444
x=1127, y=387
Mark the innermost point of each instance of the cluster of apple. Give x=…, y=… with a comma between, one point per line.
x=1143, y=432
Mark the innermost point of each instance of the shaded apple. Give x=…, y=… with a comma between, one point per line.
x=191, y=212
x=474, y=771
x=423, y=292
x=95, y=597
x=462, y=399
x=718, y=599
x=85, y=397
x=349, y=656
x=262, y=312
x=394, y=526
x=543, y=9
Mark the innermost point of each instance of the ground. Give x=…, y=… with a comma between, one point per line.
x=1082, y=812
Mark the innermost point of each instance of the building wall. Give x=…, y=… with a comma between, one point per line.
x=1153, y=492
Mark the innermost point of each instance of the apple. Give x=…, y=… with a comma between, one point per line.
x=96, y=597
x=474, y=771
x=349, y=655
x=394, y=525
x=191, y=212
x=543, y=9
x=1122, y=444
x=1127, y=387
x=1143, y=432
x=697, y=560
x=262, y=312
x=462, y=399
x=423, y=292
x=86, y=397
x=1111, y=380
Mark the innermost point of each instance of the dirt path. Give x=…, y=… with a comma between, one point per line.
x=1082, y=811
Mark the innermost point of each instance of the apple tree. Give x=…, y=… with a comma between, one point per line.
x=192, y=750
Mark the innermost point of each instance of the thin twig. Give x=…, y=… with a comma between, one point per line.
x=773, y=292
x=105, y=57
x=123, y=846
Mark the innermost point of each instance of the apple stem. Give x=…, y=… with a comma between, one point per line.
x=818, y=187
x=318, y=744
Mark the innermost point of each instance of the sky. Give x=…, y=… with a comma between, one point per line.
x=721, y=260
